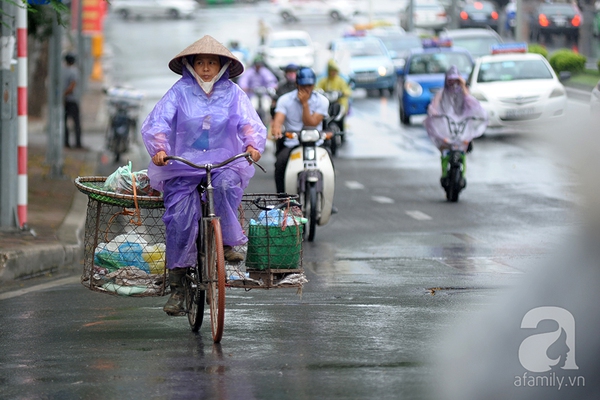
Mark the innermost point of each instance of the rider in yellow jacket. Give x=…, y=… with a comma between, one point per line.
x=334, y=82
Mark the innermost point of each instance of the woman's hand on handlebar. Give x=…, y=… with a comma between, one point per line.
x=159, y=158
x=254, y=154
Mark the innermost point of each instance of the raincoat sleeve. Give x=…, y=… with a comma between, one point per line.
x=158, y=126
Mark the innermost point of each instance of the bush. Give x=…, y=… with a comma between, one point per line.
x=567, y=60
x=598, y=64
x=538, y=49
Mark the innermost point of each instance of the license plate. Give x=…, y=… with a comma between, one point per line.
x=560, y=21
x=478, y=17
x=365, y=78
x=519, y=112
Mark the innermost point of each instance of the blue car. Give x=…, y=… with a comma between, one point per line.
x=423, y=76
x=366, y=61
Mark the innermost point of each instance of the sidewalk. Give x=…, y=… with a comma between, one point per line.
x=52, y=244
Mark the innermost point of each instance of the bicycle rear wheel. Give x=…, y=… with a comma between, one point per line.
x=214, y=270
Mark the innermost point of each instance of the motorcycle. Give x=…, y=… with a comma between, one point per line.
x=124, y=105
x=310, y=175
x=262, y=98
x=453, y=156
x=335, y=121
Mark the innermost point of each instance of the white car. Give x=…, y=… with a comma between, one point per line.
x=517, y=90
x=154, y=8
x=289, y=47
x=295, y=10
x=427, y=14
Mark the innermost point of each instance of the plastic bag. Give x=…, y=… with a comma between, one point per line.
x=126, y=250
x=121, y=181
x=277, y=217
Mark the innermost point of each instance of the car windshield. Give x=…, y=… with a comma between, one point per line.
x=439, y=63
x=513, y=71
x=289, y=42
x=402, y=43
x=361, y=48
x=477, y=46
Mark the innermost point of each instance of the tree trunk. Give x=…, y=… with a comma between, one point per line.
x=37, y=93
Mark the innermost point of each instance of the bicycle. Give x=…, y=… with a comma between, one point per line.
x=208, y=275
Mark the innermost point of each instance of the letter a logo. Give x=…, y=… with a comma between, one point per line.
x=543, y=351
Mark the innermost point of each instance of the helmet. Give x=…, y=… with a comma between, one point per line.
x=258, y=60
x=290, y=67
x=70, y=58
x=306, y=76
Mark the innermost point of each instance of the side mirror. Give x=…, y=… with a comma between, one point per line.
x=564, y=75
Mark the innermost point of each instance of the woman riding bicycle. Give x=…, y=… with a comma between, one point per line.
x=205, y=118
x=454, y=102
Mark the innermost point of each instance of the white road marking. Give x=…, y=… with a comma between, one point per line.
x=418, y=215
x=354, y=185
x=382, y=199
x=58, y=282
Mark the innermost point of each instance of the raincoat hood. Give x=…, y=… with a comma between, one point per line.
x=332, y=65
x=208, y=45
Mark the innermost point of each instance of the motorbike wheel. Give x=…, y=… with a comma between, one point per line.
x=310, y=211
x=454, y=187
x=119, y=145
x=333, y=145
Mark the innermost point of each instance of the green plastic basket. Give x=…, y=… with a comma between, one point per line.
x=270, y=247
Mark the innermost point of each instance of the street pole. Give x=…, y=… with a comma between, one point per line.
x=520, y=30
x=54, y=150
x=411, y=14
x=8, y=119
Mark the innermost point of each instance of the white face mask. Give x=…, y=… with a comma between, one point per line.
x=206, y=86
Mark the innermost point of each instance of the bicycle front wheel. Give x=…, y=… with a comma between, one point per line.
x=214, y=264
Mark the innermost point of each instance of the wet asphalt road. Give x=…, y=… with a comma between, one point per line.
x=388, y=276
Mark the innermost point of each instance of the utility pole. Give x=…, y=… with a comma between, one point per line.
x=8, y=119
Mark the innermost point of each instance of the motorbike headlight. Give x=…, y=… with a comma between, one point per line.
x=310, y=135
x=413, y=88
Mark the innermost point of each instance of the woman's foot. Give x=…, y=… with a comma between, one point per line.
x=232, y=255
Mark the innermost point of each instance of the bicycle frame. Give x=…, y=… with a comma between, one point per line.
x=209, y=274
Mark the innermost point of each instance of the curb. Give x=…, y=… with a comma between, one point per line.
x=578, y=94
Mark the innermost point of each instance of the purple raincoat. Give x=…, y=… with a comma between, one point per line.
x=203, y=129
x=457, y=105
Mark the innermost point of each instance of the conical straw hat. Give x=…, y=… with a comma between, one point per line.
x=207, y=45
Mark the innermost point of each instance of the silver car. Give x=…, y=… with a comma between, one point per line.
x=154, y=8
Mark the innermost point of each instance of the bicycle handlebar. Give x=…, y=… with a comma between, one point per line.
x=245, y=155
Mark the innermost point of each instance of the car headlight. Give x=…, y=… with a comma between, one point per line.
x=382, y=70
x=479, y=96
x=557, y=92
x=413, y=88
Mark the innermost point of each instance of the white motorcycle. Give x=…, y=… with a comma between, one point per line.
x=310, y=174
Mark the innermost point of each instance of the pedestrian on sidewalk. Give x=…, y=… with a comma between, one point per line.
x=71, y=99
